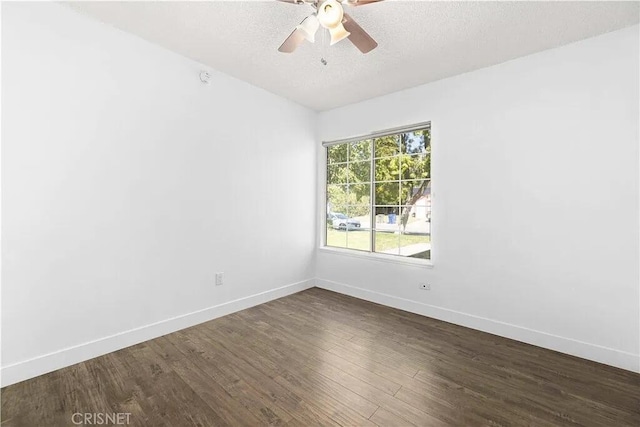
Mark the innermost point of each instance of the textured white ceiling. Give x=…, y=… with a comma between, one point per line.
x=419, y=41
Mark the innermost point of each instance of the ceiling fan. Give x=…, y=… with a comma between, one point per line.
x=330, y=15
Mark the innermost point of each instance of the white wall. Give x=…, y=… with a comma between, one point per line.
x=535, y=180
x=124, y=181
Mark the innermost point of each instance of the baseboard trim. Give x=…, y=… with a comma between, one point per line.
x=594, y=352
x=40, y=365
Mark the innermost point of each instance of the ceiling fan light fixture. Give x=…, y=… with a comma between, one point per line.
x=338, y=33
x=309, y=27
x=330, y=14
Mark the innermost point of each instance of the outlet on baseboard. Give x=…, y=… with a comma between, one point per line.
x=219, y=278
x=424, y=286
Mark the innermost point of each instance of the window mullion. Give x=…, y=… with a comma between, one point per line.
x=399, y=213
x=372, y=219
x=347, y=192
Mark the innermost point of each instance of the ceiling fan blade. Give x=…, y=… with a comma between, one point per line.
x=359, y=37
x=357, y=2
x=293, y=1
x=292, y=42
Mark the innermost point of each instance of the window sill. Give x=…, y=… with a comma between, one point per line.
x=372, y=256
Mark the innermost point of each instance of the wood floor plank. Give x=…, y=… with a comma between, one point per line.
x=318, y=358
x=514, y=375
x=307, y=313
x=338, y=403
x=447, y=335
x=388, y=358
x=384, y=418
x=307, y=332
x=31, y=405
x=302, y=412
x=117, y=384
x=226, y=396
x=172, y=402
x=288, y=310
x=300, y=371
x=386, y=385
x=459, y=396
x=303, y=341
x=418, y=415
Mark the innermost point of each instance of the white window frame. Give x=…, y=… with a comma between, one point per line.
x=397, y=259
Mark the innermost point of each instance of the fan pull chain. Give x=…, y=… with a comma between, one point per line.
x=323, y=51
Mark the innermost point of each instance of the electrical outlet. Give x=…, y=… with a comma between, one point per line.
x=425, y=286
x=219, y=278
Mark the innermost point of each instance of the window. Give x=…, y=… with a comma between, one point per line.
x=379, y=193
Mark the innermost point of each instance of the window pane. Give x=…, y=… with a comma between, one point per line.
x=416, y=219
x=337, y=153
x=335, y=212
x=360, y=215
x=415, y=246
x=337, y=173
x=386, y=211
x=422, y=208
x=387, y=169
x=415, y=142
x=360, y=150
x=387, y=146
x=360, y=171
x=336, y=238
x=343, y=219
x=337, y=226
x=416, y=191
x=384, y=217
x=416, y=166
x=387, y=193
x=359, y=239
x=387, y=242
x=359, y=227
x=336, y=197
x=417, y=222
x=359, y=194
x=387, y=219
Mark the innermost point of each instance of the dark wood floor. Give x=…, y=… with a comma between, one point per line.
x=318, y=358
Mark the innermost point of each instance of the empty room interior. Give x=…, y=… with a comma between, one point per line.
x=320, y=213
